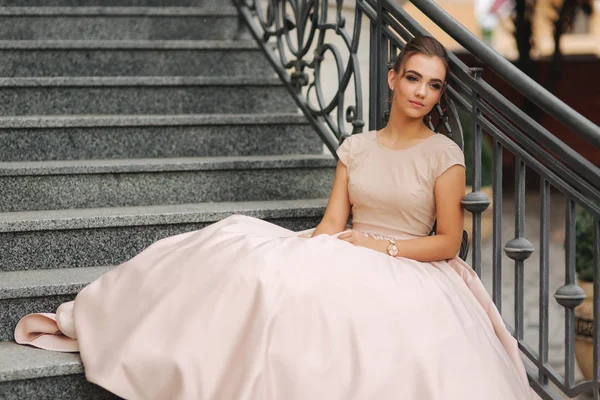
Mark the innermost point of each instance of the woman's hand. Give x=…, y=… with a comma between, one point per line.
x=358, y=239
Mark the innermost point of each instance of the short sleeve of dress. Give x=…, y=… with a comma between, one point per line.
x=450, y=156
x=343, y=152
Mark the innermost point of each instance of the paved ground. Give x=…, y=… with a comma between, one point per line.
x=557, y=274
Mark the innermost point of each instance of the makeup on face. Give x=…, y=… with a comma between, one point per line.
x=419, y=86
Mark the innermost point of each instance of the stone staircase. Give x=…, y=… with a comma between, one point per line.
x=122, y=122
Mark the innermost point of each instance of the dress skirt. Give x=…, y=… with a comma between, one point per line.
x=245, y=309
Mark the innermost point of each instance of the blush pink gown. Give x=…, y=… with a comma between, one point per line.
x=244, y=309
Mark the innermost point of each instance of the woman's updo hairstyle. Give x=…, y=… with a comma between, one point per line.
x=425, y=45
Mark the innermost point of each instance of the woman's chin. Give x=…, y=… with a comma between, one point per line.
x=416, y=113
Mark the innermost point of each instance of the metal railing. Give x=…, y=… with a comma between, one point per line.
x=296, y=35
x=293, y=36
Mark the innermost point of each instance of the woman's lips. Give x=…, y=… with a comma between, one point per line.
x=416, y=104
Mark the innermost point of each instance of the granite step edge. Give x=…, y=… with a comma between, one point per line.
x=110, y=217
x=101, y=11
x=47, y=282
x=84, y=121
x=221, y=45
x=136, y=81
x=18, y=362
x=158, y=165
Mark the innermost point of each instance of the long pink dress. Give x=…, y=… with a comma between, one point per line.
x=244, y=309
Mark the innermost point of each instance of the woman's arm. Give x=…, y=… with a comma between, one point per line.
x=449, y=190
x=338, y=206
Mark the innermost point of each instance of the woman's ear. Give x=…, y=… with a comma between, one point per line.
x=391, y=78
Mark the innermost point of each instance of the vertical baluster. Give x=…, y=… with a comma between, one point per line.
x=391, y=57
x=519, y=248
x=476, y=178
x=570, y=280
x=476, y=202
x=544, y=275
x=497, y=238
x=385, y=95
x=382, y=55
x=393, y=53
x=374, y=109
x=596, y=331
x=569, y=295
x=519, y=232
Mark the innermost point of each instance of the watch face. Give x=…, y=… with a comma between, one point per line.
x=392, y=250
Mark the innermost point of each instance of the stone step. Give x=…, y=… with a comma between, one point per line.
x=118, y=23
x=143, y=95
x=109, y=236
x=25, y=292
x=22, y=58
x=33, y=138
x=34, y=374
x=55, y=185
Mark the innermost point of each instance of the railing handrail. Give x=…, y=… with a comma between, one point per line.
x=511, y=74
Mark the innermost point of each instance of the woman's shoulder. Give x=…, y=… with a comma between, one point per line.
x=355, y=146
x=362, y=138
x=443, y=152
x=441, y=142
x=357, y=141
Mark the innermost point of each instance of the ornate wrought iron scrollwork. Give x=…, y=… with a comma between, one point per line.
x=301, y=35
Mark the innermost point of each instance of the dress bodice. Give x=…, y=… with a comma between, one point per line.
x=392, y=191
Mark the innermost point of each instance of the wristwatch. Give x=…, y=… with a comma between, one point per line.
x=392, y=250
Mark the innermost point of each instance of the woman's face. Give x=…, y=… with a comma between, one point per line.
x=418, y=86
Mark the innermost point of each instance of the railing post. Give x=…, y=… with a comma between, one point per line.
x=544, y=276
x=519, y=248
x=378, y=93
x=596, y=314
x=476, y=202
x=373, y=76
x=497, y=227
x=569, y=295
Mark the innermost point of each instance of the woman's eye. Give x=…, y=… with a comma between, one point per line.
x=412, y=78
x=436, y=86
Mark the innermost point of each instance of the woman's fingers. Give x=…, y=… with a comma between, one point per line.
x=347, y=236
x=344, y=236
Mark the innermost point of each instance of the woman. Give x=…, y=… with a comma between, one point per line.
x=244, y=309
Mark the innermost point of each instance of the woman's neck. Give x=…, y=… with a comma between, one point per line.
x=401, y=128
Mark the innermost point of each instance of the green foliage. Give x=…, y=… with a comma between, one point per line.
x=466, y=122
x=584, y=245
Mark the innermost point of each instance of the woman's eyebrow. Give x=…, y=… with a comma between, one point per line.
x=421, y=76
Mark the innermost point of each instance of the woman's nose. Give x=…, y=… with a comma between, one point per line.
x=421, y=90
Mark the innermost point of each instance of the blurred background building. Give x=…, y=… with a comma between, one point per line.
x=492, y=20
